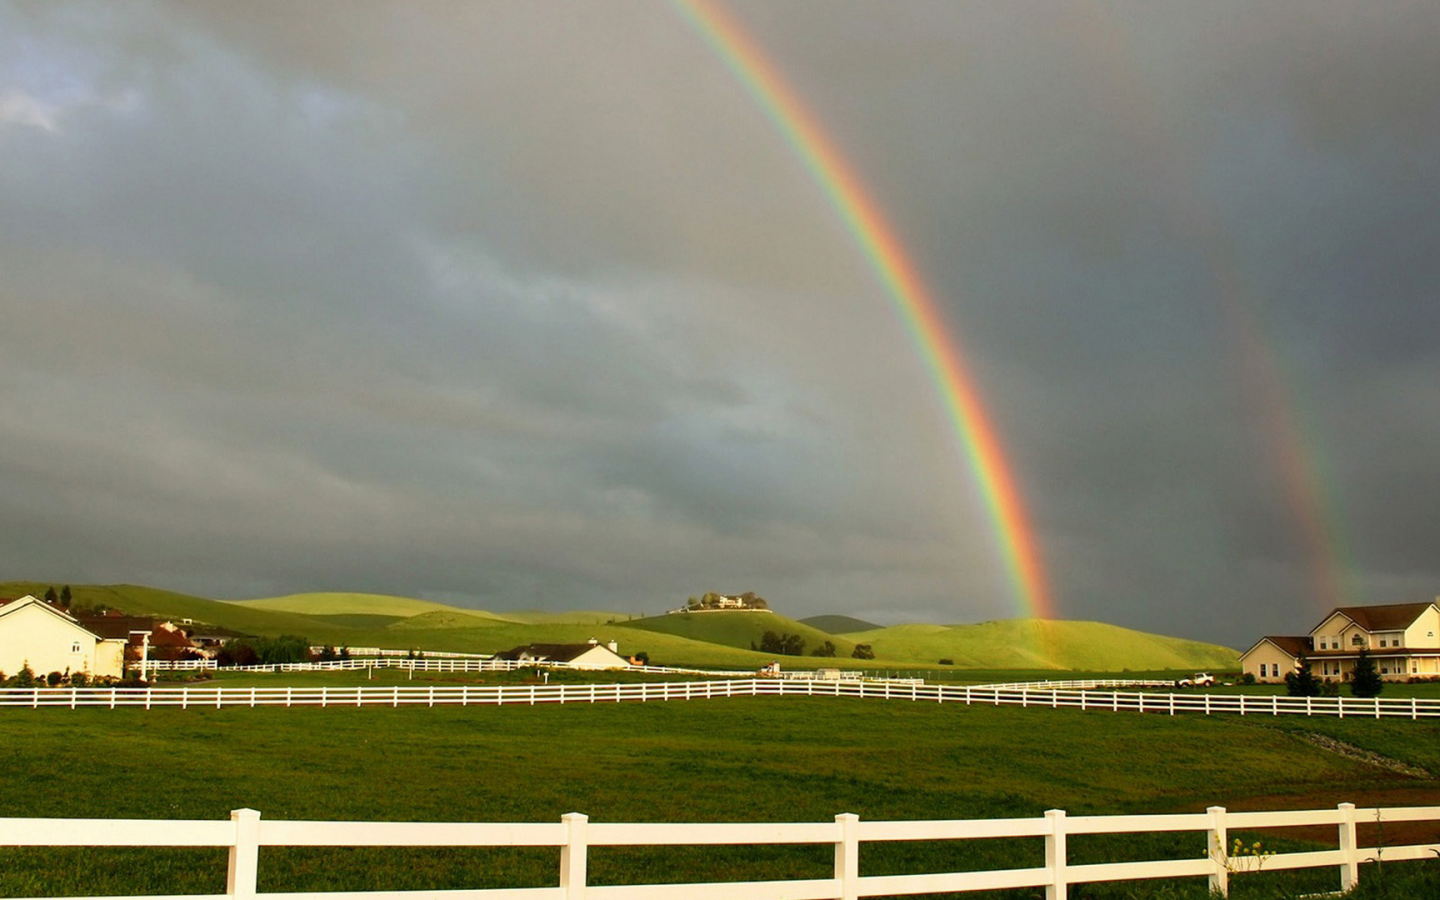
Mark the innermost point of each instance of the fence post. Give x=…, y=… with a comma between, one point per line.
x=573, y=856
x=1055, y=855
x=847, y=856
x=1350, y=868
x=244, y=854
x=1216, y=845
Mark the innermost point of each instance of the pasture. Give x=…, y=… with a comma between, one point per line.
x=793, y=759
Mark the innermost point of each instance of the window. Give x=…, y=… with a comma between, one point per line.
x=1358, y=641
x=1382, y=643
x=75, y=647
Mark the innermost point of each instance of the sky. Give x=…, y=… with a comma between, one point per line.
x=531, y=305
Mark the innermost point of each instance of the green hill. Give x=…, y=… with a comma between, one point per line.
x=739, y=629
x=565, y=617
x=348, y=604
x=1044, y=644
x=448, y=617
x=836, y=624
x=706, y=639
x=147, y=601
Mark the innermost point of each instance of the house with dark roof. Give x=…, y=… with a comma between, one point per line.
x=1402, y=638
x=592, y=655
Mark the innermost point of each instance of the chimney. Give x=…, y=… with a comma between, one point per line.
x=594, y=641
x=614, y=647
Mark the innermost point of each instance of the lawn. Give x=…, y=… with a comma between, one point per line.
x=746, y=759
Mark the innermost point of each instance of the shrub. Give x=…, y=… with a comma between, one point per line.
x=54, y=679
x=947, y=662
x=24, y=678
x=1247, y=678
x=79, y=679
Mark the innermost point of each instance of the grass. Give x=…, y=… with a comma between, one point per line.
x=1040, y=644
x=739, y=628
x=747, y=759
x=347, y=604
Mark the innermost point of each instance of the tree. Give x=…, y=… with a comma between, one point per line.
x=51, y=597
x=825, y=649
x=785, y=644
x=862, y=651
x=1300, y=681
x=65, y=598
x=1366, y=680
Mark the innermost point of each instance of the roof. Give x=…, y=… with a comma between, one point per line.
x=28, y=600
x=116, y=627
x=1388, y=617
x=552, y=652
x=1293, y=644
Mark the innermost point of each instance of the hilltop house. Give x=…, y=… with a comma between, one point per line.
x=1402, y=638
x=591, y=655
x=47, y=639
x=713, y=601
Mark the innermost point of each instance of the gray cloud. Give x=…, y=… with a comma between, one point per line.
x=517, y=302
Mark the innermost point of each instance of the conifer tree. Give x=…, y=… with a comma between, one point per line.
x=1366, y=680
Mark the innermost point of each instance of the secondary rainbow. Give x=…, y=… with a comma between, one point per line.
x=904, y=287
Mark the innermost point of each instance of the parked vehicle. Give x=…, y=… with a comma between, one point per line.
x=1199, y=679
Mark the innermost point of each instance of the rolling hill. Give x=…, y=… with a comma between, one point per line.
x=1044, y=644
x=336, y=604
x=835, y=624
x=738, y=628
x=706, y=639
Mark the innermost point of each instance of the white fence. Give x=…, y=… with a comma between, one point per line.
x=246, y=833
x=466, y=695
x=475, y=663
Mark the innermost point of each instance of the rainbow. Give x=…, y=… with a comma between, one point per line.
x=1272, y=389
x=903, y=285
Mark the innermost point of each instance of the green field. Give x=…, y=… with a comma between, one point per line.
x=751, y=759
x=710, y=639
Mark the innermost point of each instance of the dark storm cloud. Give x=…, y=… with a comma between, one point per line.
x=518, y=302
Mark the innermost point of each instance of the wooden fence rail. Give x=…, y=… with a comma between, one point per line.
x=245, y=833
x=470, y=695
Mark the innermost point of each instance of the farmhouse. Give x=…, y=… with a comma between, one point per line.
x=1402, y=638
x=578, y=656
x=34, y=633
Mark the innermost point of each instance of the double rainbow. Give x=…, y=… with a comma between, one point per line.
x=903, y=285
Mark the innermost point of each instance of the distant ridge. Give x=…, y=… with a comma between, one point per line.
x=838, y=624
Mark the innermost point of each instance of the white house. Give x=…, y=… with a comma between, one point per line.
x=592, y=655
x=34, y=633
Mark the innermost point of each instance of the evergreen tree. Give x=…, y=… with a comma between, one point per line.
x=1366, y=680
x=65, y=597
x=51, y=597
x=1301, y=682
